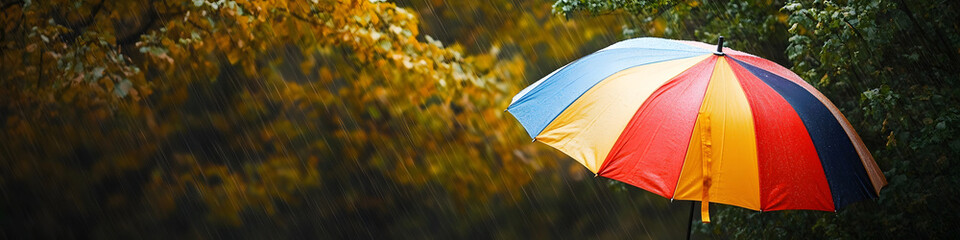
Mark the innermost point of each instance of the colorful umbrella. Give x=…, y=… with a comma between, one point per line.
x=687, y=123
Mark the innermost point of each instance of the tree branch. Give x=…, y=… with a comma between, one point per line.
x=301, y=18
x=196, y=25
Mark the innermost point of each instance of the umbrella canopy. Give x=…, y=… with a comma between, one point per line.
x=685, y=122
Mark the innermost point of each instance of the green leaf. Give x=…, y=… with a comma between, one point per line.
x=123, y=88
x=97, y=73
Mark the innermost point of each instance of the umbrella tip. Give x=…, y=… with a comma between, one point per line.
x=719, y=51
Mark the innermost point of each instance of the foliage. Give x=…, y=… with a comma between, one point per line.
x=891, y=68
x=697, y=20
x=218, y=113
x=522, y=28
x=290, y=119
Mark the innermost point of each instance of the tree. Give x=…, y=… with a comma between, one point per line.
x=195, y=118
x=525, y=29
x=276, y=119
x=887, y=64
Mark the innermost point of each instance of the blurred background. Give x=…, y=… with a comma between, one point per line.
x=208, y=119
